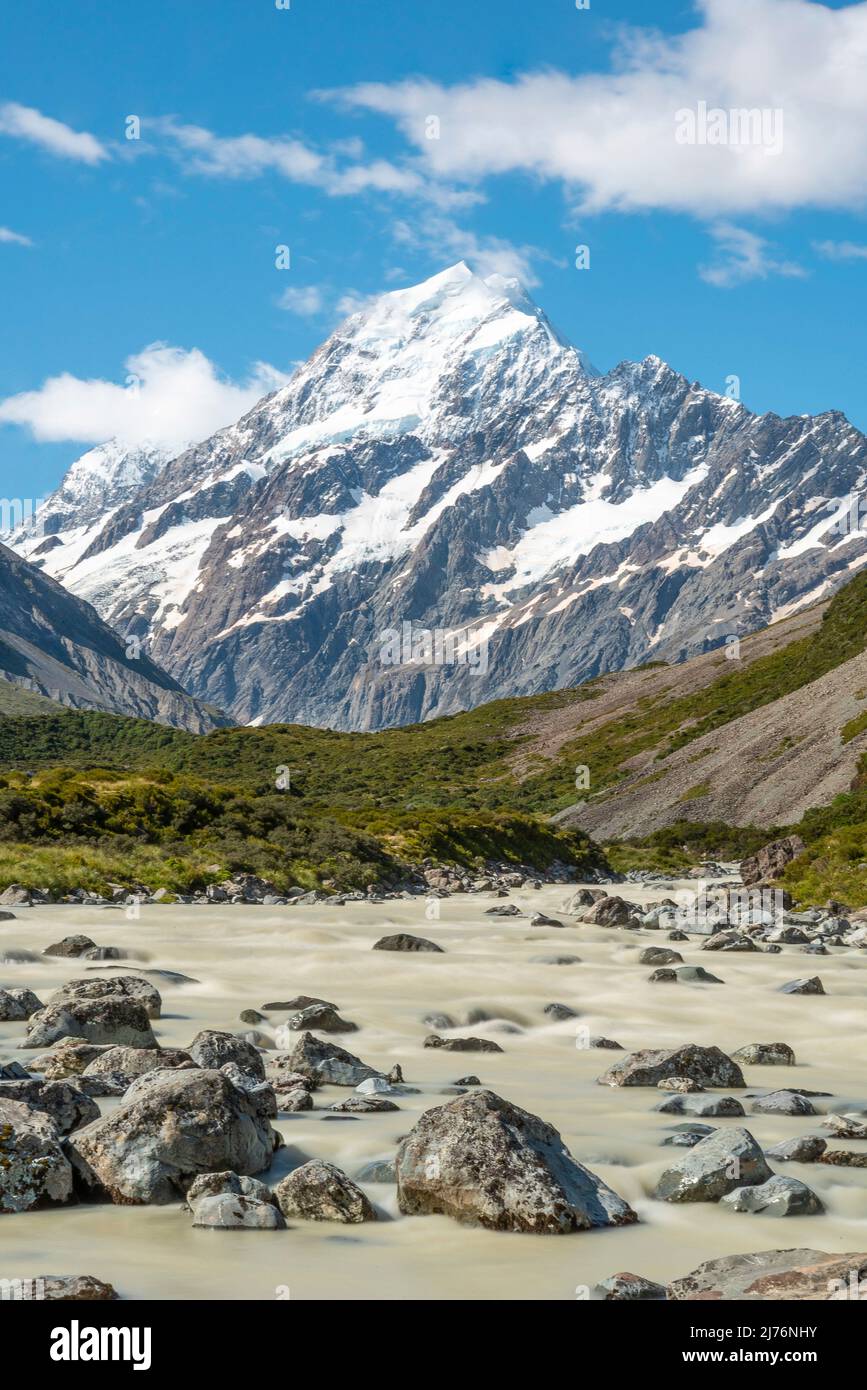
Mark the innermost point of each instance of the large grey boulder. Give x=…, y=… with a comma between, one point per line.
x=112, y=987
x=230, y=1212
x=707, y=1065
x=324, y=1063
x=783, y=1103
x=319, y=1016
x=170, y=1127
x=17, y=1005
x=403, y=941
x=70, y=947
x=811, y=985
x=119, y=1020
x=34, y=1171
x=726, y=1159
x=612, y=912
x=484, y=1161
x=130, y=1062
x=702, y=1105
x=67, y=1106
x=777, y=1197
x=319, y=1191
x=806, y=1148
x=212, y=1049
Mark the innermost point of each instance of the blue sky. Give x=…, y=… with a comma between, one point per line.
x=306, y=127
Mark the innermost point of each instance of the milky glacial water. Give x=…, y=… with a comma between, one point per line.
x=245, y=957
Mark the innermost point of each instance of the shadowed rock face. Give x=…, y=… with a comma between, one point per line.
x=446, y=457
x=56, y=645
x=485, y=1162
x=709, y=1066
x=173, y=1127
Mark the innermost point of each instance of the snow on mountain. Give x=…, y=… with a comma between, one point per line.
x=447, y=460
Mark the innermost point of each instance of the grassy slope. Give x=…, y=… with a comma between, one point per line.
x=448, y=788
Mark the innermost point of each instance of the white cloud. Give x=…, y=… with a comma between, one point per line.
x=26, y=123
x=448, y=242
x=201, y=151
x=742, y=256
x=14, y=238
x=305, y=300
x=171, y=397
x=609, y=138
x=840, y=250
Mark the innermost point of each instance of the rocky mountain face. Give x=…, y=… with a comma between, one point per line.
x=447, y=505
x=53, y=644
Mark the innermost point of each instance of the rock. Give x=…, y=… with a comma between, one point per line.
x=844, y=1158
x=319, y=1191
x=580, y=901
x=663, y=976
x=70, y=946
x=555, y=960
x=229, y=1212
x=13, y=1071
x=687, y=1136
x=765, y=1055
x=227, y=1183
x=467, y=1081
x=69, y=1058
x=295, y=1099
x=121, y=986
x=783, y=1103
x=607, y=1043
x=485, y=1162
x=629, y=1288
x=806, y=986
x=33, y=1168
x=211, y=1049
x=696, y=974
x=726, y=1159
x=806, y=1149
x=72, y=1288
x=17, y=1005
x=707, y=1065
x=540, y=920
x=708, y=1106
x=777, y=1197
x=363, y=1105
x=66, y=1106
x=438, y=1021
x=380, y=1170
x=119, y=1020
x=402, y=941
x=170, y=1127
x=16, y=896
x=845, y=1127
x=559, y=1012
x=659, y=955
x=301, y=1001
x=461, y=1044
x=684, y=1085
x=791, y=1275
x=323, y=1018
x=251, y=1016
x=770, y=861
x=611, y=912
x=324, y=1063
x=130, y=1062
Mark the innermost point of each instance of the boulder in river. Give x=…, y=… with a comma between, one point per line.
x=168, y=1131
x=461, y=1044
x=319, y=1016
x=65, y=1105
x=629, y=1288
x=34, y=1171
x=112, y=986
x=17, y=1005
x=813, y=985
x=778, y=1196
x=705, y=1106
x=229, y=1212
x=612, y=912
x=120, y=1020
x=484, y=1161
x=707, y=1065
x=726, y=1159
x=783, y=1103
x=765, y=1055
x=70, y=946
x=212, y=1049
x=324, y=1063
x=807, y=1148
x=320, y=1191
x=403, y=941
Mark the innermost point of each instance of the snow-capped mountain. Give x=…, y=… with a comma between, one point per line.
x=447, y=504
